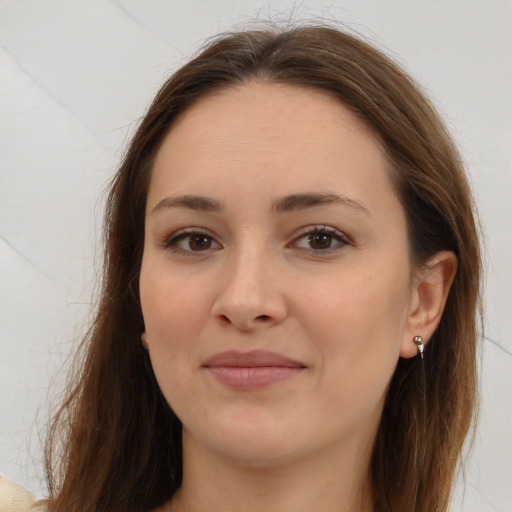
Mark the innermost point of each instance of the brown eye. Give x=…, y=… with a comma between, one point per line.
x=321, y=238
x=320, y=241
x=199, y=242
x=191, y=242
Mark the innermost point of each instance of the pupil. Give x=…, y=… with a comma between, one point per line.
x=320, y=241
x=199, y=243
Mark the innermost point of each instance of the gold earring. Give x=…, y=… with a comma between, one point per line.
x=418, y=341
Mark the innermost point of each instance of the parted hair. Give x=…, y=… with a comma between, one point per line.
x=115, y=444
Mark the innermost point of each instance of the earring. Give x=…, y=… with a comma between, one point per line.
x=418, y=340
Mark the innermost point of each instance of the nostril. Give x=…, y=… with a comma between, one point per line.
x=263, y=317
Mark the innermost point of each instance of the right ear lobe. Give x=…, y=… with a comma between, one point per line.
x=144, y=339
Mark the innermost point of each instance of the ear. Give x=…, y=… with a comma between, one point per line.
x=430, y=287
x=144, y=339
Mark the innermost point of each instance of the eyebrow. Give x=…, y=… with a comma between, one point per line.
x=290, y=203
x=296, y=202
x=199, y=203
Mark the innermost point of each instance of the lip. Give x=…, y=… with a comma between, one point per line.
x=248, y=371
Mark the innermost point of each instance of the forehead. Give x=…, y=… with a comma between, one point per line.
x=272, y=137
x=284, y=110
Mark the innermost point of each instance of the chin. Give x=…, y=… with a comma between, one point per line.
x=249, y=444
x=259, y=455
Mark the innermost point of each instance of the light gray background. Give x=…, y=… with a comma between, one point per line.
x=74, y=78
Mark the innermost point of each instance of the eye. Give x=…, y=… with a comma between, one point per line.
x=321, y=238
x=191, y=241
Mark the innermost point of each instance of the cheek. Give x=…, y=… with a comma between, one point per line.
x=173, y=316
x=357, y=324
x=361, y=303
x=172, y=307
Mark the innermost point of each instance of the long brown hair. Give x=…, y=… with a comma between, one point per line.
x=115, y=444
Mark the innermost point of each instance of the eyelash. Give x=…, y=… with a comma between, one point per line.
x=172, y=242
x=340, y=239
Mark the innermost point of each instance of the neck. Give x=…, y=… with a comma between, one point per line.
x=327, y=482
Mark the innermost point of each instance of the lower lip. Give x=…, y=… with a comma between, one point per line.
x=249, y=379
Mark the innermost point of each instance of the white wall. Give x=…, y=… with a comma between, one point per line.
x=74, y=78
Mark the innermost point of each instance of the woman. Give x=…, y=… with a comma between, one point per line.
x=288, y=313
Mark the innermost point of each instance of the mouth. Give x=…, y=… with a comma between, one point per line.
x=249, y=371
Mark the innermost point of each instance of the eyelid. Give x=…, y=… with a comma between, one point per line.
x=171, y=241
x=342, y=238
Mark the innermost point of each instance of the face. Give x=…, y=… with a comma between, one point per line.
x=275, y=281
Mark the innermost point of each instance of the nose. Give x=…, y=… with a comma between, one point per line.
x=250, y=293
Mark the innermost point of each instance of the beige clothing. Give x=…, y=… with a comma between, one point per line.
x=15, y=498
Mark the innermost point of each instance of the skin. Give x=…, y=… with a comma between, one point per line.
x=345, y=303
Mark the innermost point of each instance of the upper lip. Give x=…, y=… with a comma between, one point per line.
x=251, y=359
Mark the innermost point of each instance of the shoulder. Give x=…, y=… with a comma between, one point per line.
x=15, y=498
